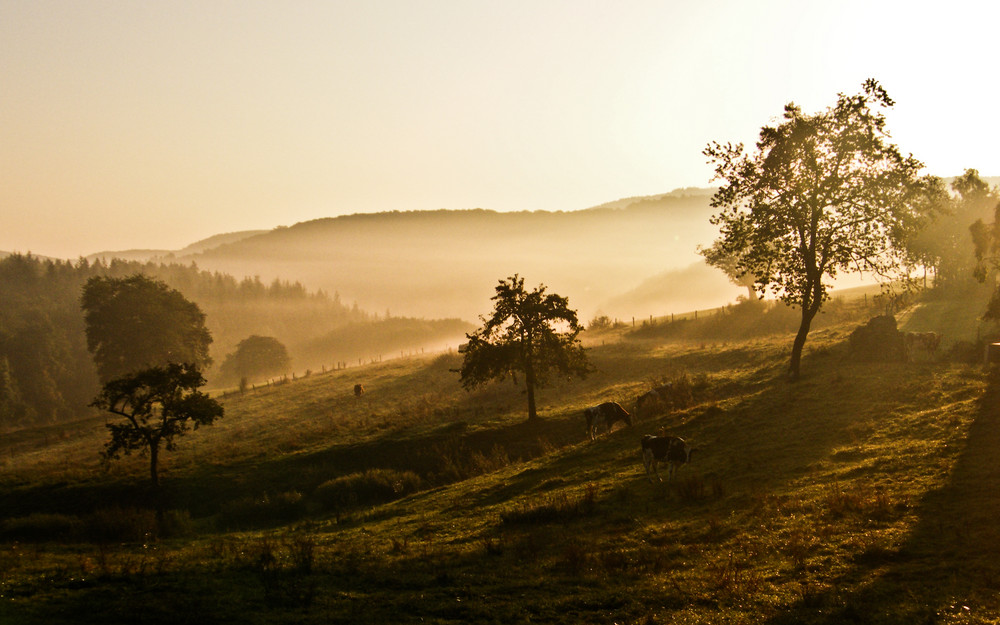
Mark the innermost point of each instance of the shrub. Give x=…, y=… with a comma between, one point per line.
x=118, y=524
x=40, y=527
x=456, y=462
x=859, y=501
x=553, y=509
x=878, y=340
x=968, y=352
x=264, y=510
x=374, y=486
x=176, y=523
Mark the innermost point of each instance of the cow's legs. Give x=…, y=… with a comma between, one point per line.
x=649, y=459
x=646, y=461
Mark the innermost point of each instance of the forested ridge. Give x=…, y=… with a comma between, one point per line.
x=47, y=375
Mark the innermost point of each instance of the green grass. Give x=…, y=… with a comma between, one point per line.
x=862, y=493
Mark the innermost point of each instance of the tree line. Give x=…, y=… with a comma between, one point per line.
x=46, y=371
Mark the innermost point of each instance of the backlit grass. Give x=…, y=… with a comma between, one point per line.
x=862, y=493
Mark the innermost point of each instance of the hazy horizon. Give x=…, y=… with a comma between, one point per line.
x=137, y=125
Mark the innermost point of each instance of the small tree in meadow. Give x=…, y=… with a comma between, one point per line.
x=256, y=357
x=532, y=333
x=157, y=405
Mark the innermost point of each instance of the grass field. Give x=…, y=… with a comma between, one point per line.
x=863, y=493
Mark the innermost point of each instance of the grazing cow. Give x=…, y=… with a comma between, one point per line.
x=608, y=412
x=669, y=449
x=359, y=390
x=917, y=342
x=647, y=403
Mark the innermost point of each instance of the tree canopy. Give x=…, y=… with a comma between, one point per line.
x=136, y=322
x=532, y=333
x=157, y=404
x=256, y=357
x=944, y=245
x=717, y=256
x=823, y=194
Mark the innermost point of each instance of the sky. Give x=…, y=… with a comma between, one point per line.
x=141, y=124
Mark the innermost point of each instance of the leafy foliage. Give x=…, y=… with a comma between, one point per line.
x=823, y=194
x=717, y=256
x=157, y=404
x=137, y=322
x=533, y=333
x=50, y=373
x=974, y=192
x=256, y=357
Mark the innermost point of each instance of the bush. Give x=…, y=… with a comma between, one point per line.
x=121, y=525
x=40, y=527
x=177, y=523
x=968, y=352
x=672, y=392
x=372, y=487
x=878, y=340
x=456, y=462
x=106, y=525
x=553, y=509
x=263, y=510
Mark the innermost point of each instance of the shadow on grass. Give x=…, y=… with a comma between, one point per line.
x=948, y=569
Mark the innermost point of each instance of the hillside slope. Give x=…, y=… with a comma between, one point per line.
x=446, y=263
x=863, y=493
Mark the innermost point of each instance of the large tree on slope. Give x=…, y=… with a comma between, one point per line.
x=823, y=194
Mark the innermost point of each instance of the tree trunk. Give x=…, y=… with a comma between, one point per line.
x=154, y=452
x=529, y=383
x=808, y=314
x=154, y=475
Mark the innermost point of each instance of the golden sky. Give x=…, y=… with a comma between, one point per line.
x=155, y=124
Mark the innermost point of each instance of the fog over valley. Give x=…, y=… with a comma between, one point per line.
x=478, y=312
x=445, y=263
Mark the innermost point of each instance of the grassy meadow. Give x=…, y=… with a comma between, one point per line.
x=863, y=493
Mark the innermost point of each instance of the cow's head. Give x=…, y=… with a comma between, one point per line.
x=680, y=451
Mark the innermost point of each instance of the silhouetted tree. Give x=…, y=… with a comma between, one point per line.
x=728, y=262
x=157, y=404
x=986, y=243
x=137, y=322
x=13, y=409
x=256, y=357
x=532, y=333
x=823, y=194
x=944, y=242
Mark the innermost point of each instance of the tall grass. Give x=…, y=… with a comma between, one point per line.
x=862, y=485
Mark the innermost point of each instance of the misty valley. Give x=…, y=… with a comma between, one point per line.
x=457, y=416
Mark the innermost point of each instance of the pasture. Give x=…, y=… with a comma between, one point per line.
x=865, y=492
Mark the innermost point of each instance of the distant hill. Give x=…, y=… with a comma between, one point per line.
x=217, y=240
x=195, y=248
x=695, y=287
x=446, y=263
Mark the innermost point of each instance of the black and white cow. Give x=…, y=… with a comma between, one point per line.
x=668, y=449
x=608, y=413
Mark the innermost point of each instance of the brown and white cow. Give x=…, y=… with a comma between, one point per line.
x=672, y=450
x=609, y=412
